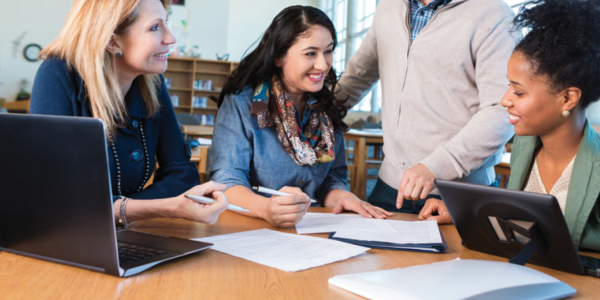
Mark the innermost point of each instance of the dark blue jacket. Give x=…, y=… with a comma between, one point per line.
x=60, y=91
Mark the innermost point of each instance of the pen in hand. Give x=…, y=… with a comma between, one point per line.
x=265, y=190
x=206, y=200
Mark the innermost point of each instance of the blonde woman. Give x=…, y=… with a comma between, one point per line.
x=104, y=64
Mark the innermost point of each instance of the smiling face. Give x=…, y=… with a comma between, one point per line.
x=307, y=62
x=145, y=43
x=533, y=107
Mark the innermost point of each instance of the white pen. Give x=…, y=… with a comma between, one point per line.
x=265, y=190
x=205, y=200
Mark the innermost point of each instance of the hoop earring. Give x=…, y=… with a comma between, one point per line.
x=118, y=54
x=566, y=113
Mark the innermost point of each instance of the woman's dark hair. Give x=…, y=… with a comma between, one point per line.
x=563, y=44
x=259, y=65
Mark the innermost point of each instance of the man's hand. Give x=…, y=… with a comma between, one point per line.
x=416, y=184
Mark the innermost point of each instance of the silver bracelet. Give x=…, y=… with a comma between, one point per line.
x=122, y=219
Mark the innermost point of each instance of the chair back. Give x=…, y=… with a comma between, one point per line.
x=186, y=119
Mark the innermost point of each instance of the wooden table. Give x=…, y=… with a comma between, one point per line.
x=362, y=139
x=214, y=275
x=197, y=131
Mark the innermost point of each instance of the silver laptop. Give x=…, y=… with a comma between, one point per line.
x=56, y=199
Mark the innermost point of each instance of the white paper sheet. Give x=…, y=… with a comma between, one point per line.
x=284, y=251
x=455, y=279
x=323, y=222
x=405, y=232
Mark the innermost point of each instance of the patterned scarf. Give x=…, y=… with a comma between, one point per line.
x=312, y=147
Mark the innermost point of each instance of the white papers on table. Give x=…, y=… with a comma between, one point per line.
x=455, y=279
x=323, y=222
x=404, y=232
x=357, y=227
x=203, y=141
x=284, y=251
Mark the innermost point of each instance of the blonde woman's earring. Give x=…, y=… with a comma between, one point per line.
x=118, y=54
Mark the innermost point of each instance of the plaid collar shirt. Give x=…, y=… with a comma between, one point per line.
x=421, y=14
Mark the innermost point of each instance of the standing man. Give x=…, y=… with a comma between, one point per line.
x=442, y=66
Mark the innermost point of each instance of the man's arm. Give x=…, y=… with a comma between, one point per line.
x=489, y=128
x=362, y=70
x=485, y=133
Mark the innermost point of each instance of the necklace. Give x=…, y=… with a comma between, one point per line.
x=146, y=160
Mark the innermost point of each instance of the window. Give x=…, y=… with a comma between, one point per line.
x=337, y=12
x=352, y=19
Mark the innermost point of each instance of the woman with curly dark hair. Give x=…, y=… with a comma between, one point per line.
x=554, y=75
x=279, y=125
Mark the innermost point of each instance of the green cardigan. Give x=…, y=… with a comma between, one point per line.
x=582, y=212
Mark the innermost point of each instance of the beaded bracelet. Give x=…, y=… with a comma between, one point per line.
x=122, y=218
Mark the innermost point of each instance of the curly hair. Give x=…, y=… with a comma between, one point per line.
x=563, y=44
x=259, y=66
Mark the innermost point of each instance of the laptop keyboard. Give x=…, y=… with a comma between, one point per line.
x=591, y=265
x=129, y=253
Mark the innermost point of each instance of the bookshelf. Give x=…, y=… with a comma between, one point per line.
x=191, y=81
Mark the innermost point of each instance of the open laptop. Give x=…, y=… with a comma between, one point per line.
x=56, y=199
x=524, y=227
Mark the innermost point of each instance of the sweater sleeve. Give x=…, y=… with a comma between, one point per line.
x=362, y=71
x=176, y=173
x=489, y=129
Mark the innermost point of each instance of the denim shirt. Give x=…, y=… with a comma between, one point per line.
x=59, y=90
x=243, y=154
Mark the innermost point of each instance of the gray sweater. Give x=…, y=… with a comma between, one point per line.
x=442, y=91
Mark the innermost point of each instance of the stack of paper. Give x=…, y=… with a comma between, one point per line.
x=455, y=279
x=423, y=236
x=284, y=251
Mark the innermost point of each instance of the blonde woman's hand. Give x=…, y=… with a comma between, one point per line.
x=182, y=207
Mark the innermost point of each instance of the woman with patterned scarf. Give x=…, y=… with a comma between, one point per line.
x=279, y=125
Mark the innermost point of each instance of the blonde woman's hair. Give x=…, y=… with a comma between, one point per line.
x=82, y=44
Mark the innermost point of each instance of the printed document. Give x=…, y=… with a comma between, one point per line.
x=284, y=251
x=357, y=227
x=324, y=222
x=405, y=232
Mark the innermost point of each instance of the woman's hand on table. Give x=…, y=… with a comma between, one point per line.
x=342, y=200
x=182, y=207
x=287, y=211
x=432, y=206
